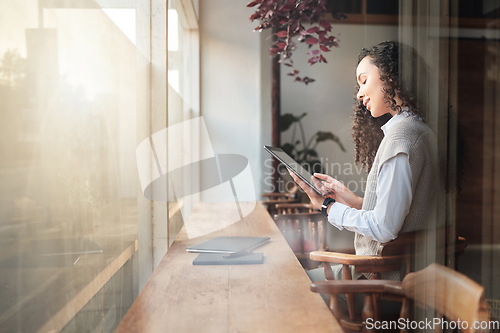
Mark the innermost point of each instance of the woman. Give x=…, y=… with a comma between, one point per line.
x=398, y=155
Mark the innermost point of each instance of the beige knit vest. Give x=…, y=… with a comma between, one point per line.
x=414, y=138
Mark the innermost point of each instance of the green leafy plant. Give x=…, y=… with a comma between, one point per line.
x=301, y=149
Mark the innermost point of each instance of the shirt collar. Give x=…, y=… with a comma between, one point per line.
x=395, y=119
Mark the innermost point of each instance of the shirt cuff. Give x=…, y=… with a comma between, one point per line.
x=336, y=214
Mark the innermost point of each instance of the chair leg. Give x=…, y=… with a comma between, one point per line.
x=368, y=309
x=405, y=311
x=375, y=298
x=328, y=271
x=335, y=307
x=346, y=275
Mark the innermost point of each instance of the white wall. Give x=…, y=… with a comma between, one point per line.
x=328, y=101
x=235, y=89
x=231, y=83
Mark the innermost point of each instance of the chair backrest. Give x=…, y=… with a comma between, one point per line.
x=270, y=200
x=288, y=195
x=403, y=244
x=295, y=208
x=305, y=232
x=450, y=293
x=406, y=245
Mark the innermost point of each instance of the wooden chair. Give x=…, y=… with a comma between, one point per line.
x=396, y=255
x=450, y=293
x=295, y=208
x=270, y=200
x=304, y=228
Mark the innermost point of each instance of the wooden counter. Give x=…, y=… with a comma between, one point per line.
x=269, y=297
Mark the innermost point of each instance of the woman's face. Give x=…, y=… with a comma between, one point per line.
x=371, y=91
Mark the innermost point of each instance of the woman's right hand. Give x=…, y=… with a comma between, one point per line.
x=335, y=189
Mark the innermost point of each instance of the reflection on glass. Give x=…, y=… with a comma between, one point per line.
x=181, y=90
x=173, y=79
x=173, y=30
x=68, y=211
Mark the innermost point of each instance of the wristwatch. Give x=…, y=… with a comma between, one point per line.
x=325, y=204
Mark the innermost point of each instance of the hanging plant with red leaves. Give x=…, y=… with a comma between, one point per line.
x=289, y=18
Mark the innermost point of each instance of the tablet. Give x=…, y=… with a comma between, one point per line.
x=293, y=165
x=228, y=244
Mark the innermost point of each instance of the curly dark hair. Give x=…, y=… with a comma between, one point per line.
x=366, y=130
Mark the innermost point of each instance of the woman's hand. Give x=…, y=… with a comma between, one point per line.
x=331, y=187
x=316, y=198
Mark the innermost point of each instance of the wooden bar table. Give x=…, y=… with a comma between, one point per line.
x=269, y=297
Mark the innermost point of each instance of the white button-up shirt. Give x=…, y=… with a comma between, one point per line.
x=394, y=195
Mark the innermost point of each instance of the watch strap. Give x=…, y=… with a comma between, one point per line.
x=325, y=204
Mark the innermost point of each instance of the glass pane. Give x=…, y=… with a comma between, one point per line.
x=465, y=72
x=473, y=8
x=68, y=200
x=476, y=108
x=384, y=7
x=346, y=6
x=183, y=141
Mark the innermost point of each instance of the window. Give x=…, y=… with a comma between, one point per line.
x=367, y=11
x=81, y=85
x=183, y=105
